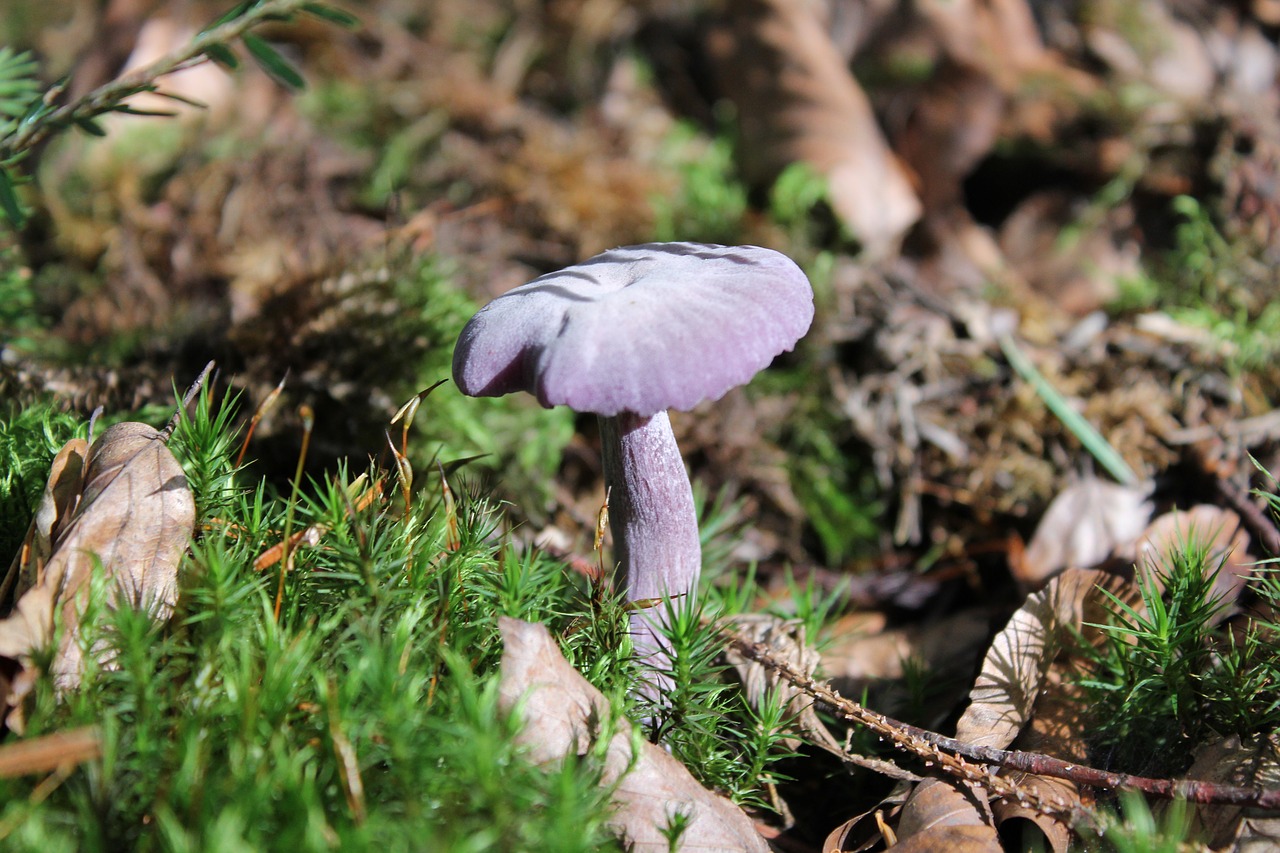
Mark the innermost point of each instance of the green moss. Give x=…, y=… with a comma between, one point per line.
x=1215, y=284
x=840, y=497
x=711, y=202
x=365, y=716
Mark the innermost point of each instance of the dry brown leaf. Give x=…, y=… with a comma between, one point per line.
x=852, y=835
x=1170, y=56
x=57, y=505
x=1055, y=835
x=1024, y=698
x=1020, y=656
x=1081, y=528
x=757, y=679
x=798, y=102
x=1056, y=729
x=953, y=839
x=563, y=714
x=943, y=815
x=1251, y=763
x=130, y=528
x=998, y=36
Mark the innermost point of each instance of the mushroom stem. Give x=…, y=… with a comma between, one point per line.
x=654, y=523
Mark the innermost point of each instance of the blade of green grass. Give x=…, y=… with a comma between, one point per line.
x=1092, y=440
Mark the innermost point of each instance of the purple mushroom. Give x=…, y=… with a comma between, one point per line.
x=627, y=335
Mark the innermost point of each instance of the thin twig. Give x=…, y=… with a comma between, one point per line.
x=110, y=94
x=954, y=756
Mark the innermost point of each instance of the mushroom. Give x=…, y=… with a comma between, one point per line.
x=629, y=334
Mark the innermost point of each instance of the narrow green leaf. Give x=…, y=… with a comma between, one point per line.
x=273, y=63
x=222, y=55
x=333, y=15
x=1089, y=437
x=182, y=99
x=134, y=111
x=9, y=200
x=230, y=15
x=90, y=127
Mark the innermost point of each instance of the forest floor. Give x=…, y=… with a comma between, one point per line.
x=1003, y=207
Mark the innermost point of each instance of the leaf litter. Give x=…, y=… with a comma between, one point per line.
x=959, y=445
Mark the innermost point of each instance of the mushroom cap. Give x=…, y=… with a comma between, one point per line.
x=638, y=329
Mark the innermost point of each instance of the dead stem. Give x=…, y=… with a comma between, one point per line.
x=954, y=757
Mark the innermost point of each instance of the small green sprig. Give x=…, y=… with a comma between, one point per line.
x=206, y=441
x=28, y=119
x=705, y=720
x=1167, y=675
x=1135, y=829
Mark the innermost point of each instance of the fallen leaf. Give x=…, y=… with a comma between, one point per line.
x=1025, y=697
x=1081, y=528
x=1020, y=656
x=1055, y=729
x=563, y=715
x=757, y=679
x=797, y=102
x=57, y=505
x=852, y=836
x=1171, y=56
x=131, y=526
x=780, y=636
x=1254, y=762
x=953, y=839
x=942, y=815
x=998, y=36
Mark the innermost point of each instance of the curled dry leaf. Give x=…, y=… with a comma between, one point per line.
x=858, y=834
x=1254, y=762
x=563, y=714
x=130, y=527
x=1021, y=697
x=57, y=505
x=1082, y=527
x=945, y=815
x=798, y=102
x=1014, y=670
x=1055, y=729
